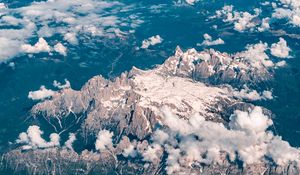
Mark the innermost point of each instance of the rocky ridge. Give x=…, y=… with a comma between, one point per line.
x=130, y=106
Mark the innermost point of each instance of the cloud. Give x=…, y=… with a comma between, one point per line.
x=129, y=151
x=280, y=49
x=242, y=21
x=71, y=38
x=61, y=49
x=247, y=138
x=104, y=140
x=33, y=139
x=40, y=46
x=252, y=95
x=256, y=55
x=210, y=42
x=153, y=40
x=8, y=48
x=289, y=9
x=2, y=5
x=41, y=94
x=72, y=19
x=191, y=2
x=253, y=121
x=62, y=86
x=153, y=153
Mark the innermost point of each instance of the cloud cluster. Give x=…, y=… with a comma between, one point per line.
x=2, y=5
x=208, y=41
x=44, y=93
x=252, y=95
x=40, y=46
x=67, y=19
x=280, y=49
x=43, y=46
x=196, y=140
x=191, y=2
x=62, y=86
x=243, y=21
x=33, y=139
x=289, y=9
x=41, y=94
x=61, y=49
x=256, y=54
x=153, y=40
x=104, y=140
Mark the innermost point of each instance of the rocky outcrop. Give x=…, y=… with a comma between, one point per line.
x=130, y=106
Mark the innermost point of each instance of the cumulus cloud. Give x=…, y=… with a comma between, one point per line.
x=61, y=49
x=247, y=138
x=253, y=121
x=191, y=2
x=2, y=5
x=251, y=94
x=241, y=20
x=289, y=9
x=40, y=46
x=72, y=19
x=153, y=153
x=129, y=151
x=32, y=139
x=71, y=38
x=256, y=55
x=44, y=93
x=280, y=49
x=208, y=41
x=153, y=40
x=104, y=140
x=8, y=48
x=41, y=94
x=62, y=86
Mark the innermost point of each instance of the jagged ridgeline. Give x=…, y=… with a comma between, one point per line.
x=182, y=117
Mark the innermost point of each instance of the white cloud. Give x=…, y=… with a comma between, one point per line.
x=251, y=94
x=281, y=64
x=290, y=9
x=153, y=40
x=62, y=86
x=40, y=46
x=253, y=121
x=61, y=49
x=73, y=19
x=241, y=20
x=160, y=136
x=280, y=49
x=129, y=151
x=41, y=94
x=247, y=135
x=8, y=48
x=208, y=41
x=153, y=153
x=2, y=5
x=71, y=38
x=191, y=2
x=33, y=139
x=104, y=140
x=256, y=55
